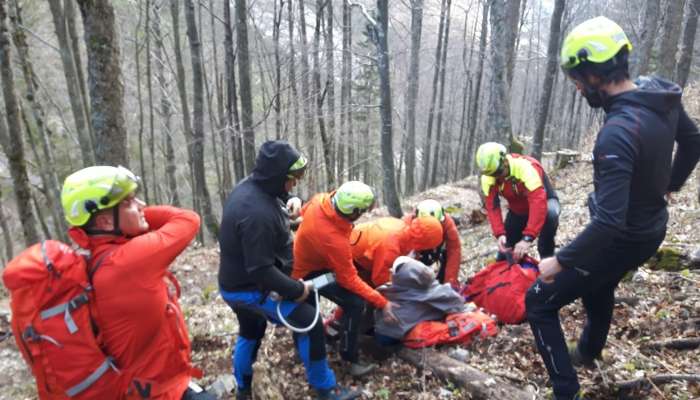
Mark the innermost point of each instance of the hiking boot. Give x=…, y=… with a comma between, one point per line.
x=578, y=360
x=337, y=393
x=358, y=369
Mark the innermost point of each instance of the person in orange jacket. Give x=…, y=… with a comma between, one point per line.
x=533, y=205
x=322, y=245
x=449, y=252
x=136, y=296
x=376, y=244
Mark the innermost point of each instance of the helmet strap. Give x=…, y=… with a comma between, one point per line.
x=116, y=230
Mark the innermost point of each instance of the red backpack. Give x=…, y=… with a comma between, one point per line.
x=459, y=328
x=500, y=288
x=50, y=297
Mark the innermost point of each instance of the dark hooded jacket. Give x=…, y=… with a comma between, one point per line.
x=255, y=241
x=634, y=168
x=420, y=297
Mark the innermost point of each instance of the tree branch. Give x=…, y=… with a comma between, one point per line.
x=657, y=380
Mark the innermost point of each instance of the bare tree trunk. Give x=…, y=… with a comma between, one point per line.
x=202, y=192
x=552, y=50
x=427, y=152
x=647, y=37
x=330, y=88
x=11, y=136
x=691, y=26
x=381, y=29
x=346, y=95
x=46, y=160
x=6, y=233
x=293, y=99
x=325, y=141
x=104, y=76
x=72, y=30
x=511, y=36
x=459, y=170
x=277, y=104
x=474, y=113
x=246, y=91
x=165, y=110
x=669, y=38
x=498, y=120
x=232, y=119
x=80, y=115
x=139, y=98
x=412, y=94
x=308, y=126
x=151, y=108
x=441, y=102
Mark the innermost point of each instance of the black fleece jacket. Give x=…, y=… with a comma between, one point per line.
x=255, y=241
x=633, y=169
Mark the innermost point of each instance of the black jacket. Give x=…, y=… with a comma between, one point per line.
x=633, y=169
x=255, y=241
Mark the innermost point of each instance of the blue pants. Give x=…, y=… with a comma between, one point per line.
x=597, y=291
x=253, y=312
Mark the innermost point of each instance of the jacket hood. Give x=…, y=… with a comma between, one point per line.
x=410, y=273
x=275, y=157
x=652, y=92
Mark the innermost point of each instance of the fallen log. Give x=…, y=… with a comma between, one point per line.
x=479, y=384
x=657, y=380
x=676, y=344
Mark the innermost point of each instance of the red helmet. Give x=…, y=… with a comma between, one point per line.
x=425, y=232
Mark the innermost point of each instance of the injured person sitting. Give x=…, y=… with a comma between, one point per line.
x=419, y=297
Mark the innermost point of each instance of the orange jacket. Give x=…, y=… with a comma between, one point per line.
x=137, y=311
x=322, y=243
x=376, y=244
x=453, y=247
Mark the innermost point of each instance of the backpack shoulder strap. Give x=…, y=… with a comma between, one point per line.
x=93, y=267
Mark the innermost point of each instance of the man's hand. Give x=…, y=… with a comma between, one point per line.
x=388, y=313
x=308, y=287
x=294, y=207
x=549, y=267
x=502, y=244
x=669, y=197
x=521, y=249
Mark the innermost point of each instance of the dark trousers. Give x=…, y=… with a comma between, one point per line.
x=515, y=224
x=353, y=308
x=596, y=288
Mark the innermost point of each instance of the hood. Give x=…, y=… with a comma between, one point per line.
x=410, y=273
x=275, y=157
x=652, y=92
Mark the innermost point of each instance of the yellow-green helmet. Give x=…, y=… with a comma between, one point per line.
x=489, y=157
x=430, y=208
x=596, y=40
x=353, y=196
x=93, y=189
x=297, y=169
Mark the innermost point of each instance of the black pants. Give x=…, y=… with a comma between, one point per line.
x=597, y=290
x=515, y=224
x=353, y=308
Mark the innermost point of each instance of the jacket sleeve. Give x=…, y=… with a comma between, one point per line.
x=340, y=260
x=384, y=257
x=493, y=212
x=255, y=231
x=453, y=247
x=170, y=231
x=687, y=153
x=615, y=156
x=537, y=211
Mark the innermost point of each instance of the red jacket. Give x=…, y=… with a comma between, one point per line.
x=453, y=248
x=136, y=305
x=322, y=243
x=524, y=190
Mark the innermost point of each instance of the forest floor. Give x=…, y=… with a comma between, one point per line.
x=666, y=305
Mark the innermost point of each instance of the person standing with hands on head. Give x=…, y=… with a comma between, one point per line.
x=144, y=332
x=322, y=244
x=256, y=260
x=533, y=206
x=633, y=171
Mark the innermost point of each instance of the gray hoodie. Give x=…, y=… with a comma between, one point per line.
x=420, y=298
